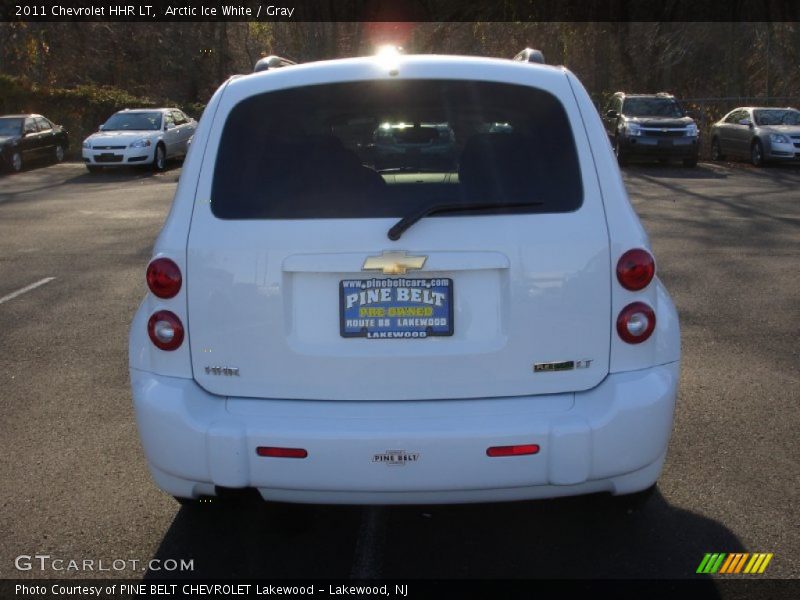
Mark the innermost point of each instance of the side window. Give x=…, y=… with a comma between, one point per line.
x=180, y=118
x=736, y=116
x=616, y=104
x=170, y=122
x=30, y=126
x=43, y=124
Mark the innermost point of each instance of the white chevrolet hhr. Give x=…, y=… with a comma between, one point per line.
x=477, y=324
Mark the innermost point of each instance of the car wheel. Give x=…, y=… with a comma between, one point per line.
x=716, y=151
x=757, y=154
x=159, y=159
x=93, y=168
x=59, y=155
x=690, y=162
x=635, y=501
x=16, y=162
x=622, y=159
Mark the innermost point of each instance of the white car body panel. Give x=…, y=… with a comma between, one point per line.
x=249, y=287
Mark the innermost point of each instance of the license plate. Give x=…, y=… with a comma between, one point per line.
x=665, y=142
x=106, y=157
x=395, y=308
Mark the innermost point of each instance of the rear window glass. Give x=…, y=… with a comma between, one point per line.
x=388, y=148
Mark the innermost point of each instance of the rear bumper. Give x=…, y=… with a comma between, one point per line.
x=612, y=438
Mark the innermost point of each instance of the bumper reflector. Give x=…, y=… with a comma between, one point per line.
x=519, y=450
x=281, y=452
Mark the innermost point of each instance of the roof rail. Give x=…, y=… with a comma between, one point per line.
x=530, y=55
x=272, y=62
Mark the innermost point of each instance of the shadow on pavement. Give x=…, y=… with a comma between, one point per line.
x=585, y=537
x=701, y=171
x=254, y=539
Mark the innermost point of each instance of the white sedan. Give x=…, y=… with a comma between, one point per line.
x=139, y=137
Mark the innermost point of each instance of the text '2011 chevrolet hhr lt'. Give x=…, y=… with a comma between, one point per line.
x=469, y=315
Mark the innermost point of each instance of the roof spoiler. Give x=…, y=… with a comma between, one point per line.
x=530, y=55
x=272, y=62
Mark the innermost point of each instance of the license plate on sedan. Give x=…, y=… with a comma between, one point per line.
x=396, y=308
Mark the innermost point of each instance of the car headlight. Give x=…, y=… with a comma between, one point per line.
x=143, y=143
x=691, y=130
x=778, y=138
x=633, y=129
x=87, y=144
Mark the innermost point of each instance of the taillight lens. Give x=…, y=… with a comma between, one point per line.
x=518, y=450
x=636, y=323
x=274, y=452
x=165, y=330
x=164, y=278
x=635, y=269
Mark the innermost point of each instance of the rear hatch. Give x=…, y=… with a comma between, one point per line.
x=296, y=291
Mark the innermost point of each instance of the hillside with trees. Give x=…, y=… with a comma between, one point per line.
x=80, y=72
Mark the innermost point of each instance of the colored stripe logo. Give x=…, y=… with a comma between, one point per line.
x=735, y=563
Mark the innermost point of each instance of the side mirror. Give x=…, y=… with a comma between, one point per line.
x=747, y=122
x=612, y=114
x=101, y=128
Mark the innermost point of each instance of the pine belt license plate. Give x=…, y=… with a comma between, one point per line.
x=396, y=308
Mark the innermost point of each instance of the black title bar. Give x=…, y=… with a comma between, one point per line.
x=149, y=11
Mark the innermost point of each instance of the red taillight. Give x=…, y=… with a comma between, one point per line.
x=164, y=278
x=636, y=323
x=165, y=330
x=519, y=450
x=635, y=269
x=281, y=452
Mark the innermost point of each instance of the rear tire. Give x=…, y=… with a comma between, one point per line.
x=757, y=154
x=690, y=162
x=716, y=150
x=635, y=501
x=59, y=153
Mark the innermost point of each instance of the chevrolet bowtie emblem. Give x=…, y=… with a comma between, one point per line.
x=394, y=263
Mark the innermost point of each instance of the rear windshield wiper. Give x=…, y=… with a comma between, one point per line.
x=398, y=228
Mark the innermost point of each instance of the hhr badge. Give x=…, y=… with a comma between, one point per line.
x=394, y=263
x=396, y=458
x=229, y=371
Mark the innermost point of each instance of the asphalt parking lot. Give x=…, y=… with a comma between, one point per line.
x=75, y=485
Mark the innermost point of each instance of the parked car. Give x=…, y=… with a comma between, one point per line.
x=320, y=332
x=653, y=126
x=760, y=134
x=146, y=136
x=30, y=137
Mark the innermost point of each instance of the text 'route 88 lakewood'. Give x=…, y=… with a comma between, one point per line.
x=202, y=589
